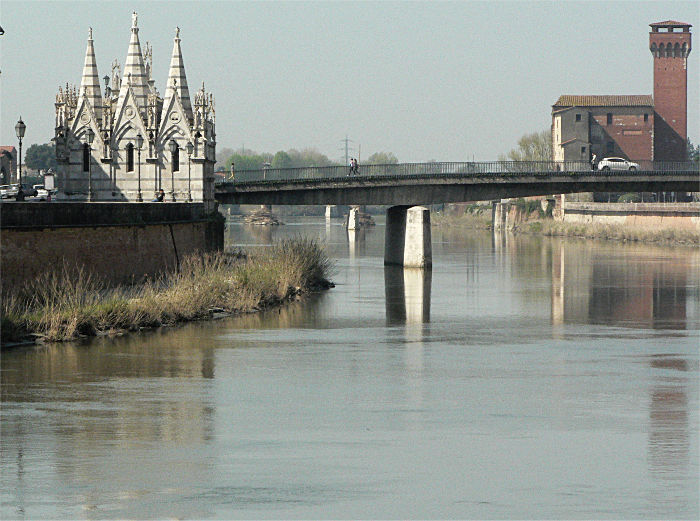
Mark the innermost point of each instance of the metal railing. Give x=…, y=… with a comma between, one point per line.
x=446, y=169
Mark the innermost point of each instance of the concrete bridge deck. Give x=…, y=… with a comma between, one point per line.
x=431, y=183
x=405, y=187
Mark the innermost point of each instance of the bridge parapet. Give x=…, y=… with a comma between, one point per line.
x=444, y=169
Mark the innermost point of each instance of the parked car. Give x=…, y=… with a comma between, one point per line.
x=42, y=194
x=3, y=191
x=617, y=163
x=27, y=190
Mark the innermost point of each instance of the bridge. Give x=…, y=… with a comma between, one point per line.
x=405, y=185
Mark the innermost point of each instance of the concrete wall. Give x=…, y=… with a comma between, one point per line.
x=647, y=215
x=119, y=242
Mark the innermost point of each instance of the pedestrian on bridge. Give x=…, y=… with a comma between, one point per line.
x=593, y=158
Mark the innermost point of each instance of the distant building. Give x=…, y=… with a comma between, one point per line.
x=604, y=126
x=133, y=107
x=637, y=127
x=8, y=165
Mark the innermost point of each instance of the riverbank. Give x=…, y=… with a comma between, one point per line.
x=535, y=221
x=70, y=304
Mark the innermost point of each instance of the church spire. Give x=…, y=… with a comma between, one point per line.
x=90, y=82
x=135, y=68
x=177, y=80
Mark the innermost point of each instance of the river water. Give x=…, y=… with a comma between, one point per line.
x=524, y=377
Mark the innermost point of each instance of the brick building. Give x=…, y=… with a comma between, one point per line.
x=8, y=165
x=637, y=127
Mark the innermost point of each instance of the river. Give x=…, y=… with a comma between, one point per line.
x=523, y=377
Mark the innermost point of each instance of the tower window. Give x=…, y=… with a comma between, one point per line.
x=130, y=157
x=646, y=118
x=609, y=121
x=578, y=117
x=583, y=151
x=176, y=160
x=86, y=157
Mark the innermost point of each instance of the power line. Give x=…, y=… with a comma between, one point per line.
x=347, y=148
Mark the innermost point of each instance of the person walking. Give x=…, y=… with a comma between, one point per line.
x=593, y=158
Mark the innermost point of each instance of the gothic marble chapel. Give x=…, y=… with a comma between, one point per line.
x=130, y=143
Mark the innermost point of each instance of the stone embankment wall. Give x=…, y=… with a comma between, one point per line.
x=120, y=242
x=640, y=215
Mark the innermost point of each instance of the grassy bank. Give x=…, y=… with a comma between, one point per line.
x=536, y=221
x=474, y=216
x=619, y=232
x=72, y=303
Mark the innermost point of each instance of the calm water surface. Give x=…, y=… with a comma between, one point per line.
x=524, y=377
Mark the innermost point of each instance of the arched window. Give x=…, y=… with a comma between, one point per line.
x=176, y=160
x=86, y=157
x=130, y=157
x=677, y=51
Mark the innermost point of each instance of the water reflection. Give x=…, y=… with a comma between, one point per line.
x=128, y=392
x=356, y=242
x=668, y=445
x=621, y=286
x=407, y=295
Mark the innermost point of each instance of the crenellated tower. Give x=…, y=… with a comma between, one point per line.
x=670, y=44
x=132, y=112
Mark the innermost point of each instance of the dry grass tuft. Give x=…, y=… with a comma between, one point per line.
x=69, y=303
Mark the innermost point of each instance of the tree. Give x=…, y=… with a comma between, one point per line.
x=693, y=152
x=222, y=156
x=282, y=160
x=41, y=157
x=382, y=158
x=308, y=157
x=248, y=160
x=531, y=147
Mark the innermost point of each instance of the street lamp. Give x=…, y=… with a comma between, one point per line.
x=190, y=149
x=89, y=136
x=20, y=127
x=139, y=144
x=173, y=148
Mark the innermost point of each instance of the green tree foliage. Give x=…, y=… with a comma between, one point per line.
x=531, y=147
x=41, y=157
x=308, y=157
x=282, y=160
x=245, y=159
x=382, y=158
x=222, y=156
x=693, y=152
x=248, y=160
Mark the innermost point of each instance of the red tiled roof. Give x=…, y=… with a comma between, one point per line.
x=7, y=148
x=569, y=100
x=670, y=22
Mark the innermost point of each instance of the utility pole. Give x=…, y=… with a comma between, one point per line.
x=348, y=149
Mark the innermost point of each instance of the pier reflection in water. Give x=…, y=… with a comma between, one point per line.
x=523, y=377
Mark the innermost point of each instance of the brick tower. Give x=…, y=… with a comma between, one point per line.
x=669, y=43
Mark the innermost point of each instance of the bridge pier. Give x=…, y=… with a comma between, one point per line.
x=407, y=239
x=354, y=218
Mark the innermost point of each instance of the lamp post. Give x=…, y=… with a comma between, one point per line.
x=20, y=127
x=89, y=136
x=139, y=145
x=190, y=149
x=173, y=148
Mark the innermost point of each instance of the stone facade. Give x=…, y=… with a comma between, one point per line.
x=112, y=167
x=8, y=165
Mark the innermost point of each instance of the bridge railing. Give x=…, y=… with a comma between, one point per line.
x=443, y=169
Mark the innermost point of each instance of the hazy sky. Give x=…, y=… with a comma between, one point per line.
x=446, y=81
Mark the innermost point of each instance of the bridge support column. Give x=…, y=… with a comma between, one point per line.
x=407, y=241
x=499, y=215
x=354, y=218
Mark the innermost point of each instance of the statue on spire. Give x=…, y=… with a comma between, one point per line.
x=134, y=19
x=90, y=34
x=177, y=32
